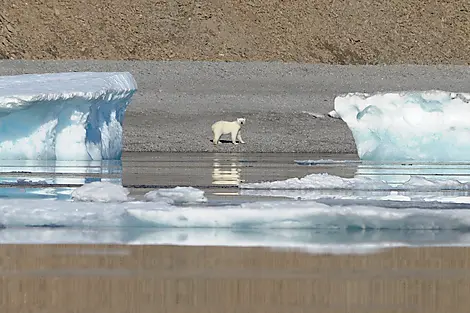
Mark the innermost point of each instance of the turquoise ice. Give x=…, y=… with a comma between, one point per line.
x=428, y=126
x=64, y=116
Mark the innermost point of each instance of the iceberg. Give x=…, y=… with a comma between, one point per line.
x=64, y=116
x=427, y=126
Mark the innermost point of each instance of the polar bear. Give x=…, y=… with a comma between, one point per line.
x=233, y=128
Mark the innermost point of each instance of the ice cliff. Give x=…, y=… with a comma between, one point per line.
x=429, y=126
x=63, y=116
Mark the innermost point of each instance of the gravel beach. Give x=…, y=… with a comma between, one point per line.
x=178, y=101
x=233, y=54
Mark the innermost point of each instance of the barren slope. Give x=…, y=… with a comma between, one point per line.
x=329, y=31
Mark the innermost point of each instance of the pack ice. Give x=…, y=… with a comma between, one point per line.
x=64, y=116
x=429, y=126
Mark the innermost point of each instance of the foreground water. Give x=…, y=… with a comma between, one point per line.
x=337, y=204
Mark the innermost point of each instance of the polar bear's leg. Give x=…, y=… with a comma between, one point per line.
x=217, y=135
x=234, y=137
x=239, y=137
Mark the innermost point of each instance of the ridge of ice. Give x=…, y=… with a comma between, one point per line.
x=310, y=241
x=326, y=161
x=327, y=181
x=319, y=181
x=428, y=125
x=177, y=195
x=64, y=116
x=100, y=192
x=389, y=199
x=287, y=214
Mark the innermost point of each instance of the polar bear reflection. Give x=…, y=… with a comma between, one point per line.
x=226, y=173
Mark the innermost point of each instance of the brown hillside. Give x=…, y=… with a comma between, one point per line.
x=328, y=31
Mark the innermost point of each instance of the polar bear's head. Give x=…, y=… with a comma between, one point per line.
x=241, y=120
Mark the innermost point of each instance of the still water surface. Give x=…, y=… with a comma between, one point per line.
x=219, y=176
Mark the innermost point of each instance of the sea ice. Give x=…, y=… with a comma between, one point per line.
x=177, y=195
x=431, y=126
x=101, y=192
x=388, y=199
x=63, y=116
x=325, y=181
x=320, y=181
x=307, y=225
x=287, y=214
x=310, y=241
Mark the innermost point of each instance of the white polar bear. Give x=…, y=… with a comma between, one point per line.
x=233, y=128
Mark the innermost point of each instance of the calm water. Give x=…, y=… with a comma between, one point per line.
x=346, y=220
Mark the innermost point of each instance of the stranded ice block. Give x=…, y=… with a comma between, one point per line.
x=64, y=116
x=428, y=126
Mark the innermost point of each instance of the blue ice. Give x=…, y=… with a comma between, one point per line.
x=428, y=126
x=64, y=116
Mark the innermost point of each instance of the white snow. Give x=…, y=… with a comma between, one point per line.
x=177, y=195
x=101, y=192
x=410, y=125
x=63, y=116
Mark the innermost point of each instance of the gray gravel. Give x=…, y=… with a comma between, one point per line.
x=178, y=101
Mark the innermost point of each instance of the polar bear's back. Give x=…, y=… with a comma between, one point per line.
x=217, y=124
x=225, y=126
